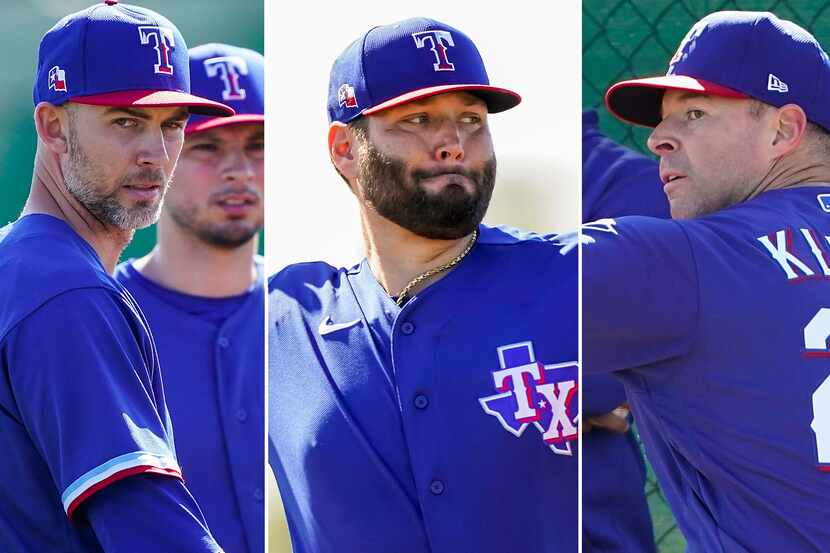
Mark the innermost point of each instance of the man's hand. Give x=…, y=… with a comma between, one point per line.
x=615, y=421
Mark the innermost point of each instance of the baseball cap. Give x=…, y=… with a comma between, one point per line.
x=119, y=55
x=231, y=75
x=736, y=54
x=412, y=59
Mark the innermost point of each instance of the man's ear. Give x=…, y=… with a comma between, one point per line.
x=52, y=126
x=791, y=126
x=343, y=150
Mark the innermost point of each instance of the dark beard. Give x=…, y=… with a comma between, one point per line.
x=397, y=195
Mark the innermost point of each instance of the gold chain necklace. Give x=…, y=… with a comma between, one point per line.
x=432, y=272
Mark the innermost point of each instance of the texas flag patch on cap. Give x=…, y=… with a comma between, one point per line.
x=57, y=79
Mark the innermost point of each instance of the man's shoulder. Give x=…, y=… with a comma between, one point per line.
x=40, y=260
x=505, y=238
x=306, y=281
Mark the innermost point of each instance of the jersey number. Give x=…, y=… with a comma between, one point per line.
x=816, y=335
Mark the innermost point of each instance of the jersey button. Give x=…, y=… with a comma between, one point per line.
x=421, y=401
x=407, y=328
x=436, y=487
x=258, y=495
x=242, y=415
x=224, y=342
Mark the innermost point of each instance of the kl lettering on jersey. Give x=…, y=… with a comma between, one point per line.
x=780, y=246
x=534, y=393
x=817, y=330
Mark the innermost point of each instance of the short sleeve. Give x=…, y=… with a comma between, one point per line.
x=640, y=295
x=82, y=371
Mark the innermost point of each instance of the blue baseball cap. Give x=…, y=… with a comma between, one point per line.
x=412, y=59
x=113, y=54
x=230, y=75
x=736, y=54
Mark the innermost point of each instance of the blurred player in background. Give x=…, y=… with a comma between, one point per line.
x=717, y=321
x=616, y=180
x=202, y=289
x=615, y=518
x=89, y=459
x=426, y=398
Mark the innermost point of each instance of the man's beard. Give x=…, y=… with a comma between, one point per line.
x=228, y=235
x=398, y=195
x=82, y=178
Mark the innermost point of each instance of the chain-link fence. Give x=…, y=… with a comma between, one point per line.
x=626, y=39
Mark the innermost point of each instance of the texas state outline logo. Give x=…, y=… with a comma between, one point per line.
x=532, y=393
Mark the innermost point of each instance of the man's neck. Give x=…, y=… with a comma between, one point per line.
x=49, y=195
x=183, y=262
x=397, y=256
x=793, y=172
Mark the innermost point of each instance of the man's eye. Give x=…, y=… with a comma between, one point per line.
x=205, y=147
x=694, y=114
x=471, y=119
x=417, y=119
x=125, y=122
x=175, y=125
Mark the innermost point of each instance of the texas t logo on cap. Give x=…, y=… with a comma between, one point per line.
x=162, y=40
x=228, y=68
x=227, y=73
x=438, y=41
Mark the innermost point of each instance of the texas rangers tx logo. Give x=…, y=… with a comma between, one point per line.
x=346, y=97
x=162, y=40
x=228, y=69
x=438, y=43
x=531, y=392
x=57, y=79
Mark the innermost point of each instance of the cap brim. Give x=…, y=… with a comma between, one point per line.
x=639, y=101
x=212, y=123
x=497, y=99
x=156, y=99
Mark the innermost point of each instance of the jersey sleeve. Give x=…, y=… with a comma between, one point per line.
x=148, y=514
x=88, y=393
x=640, y=293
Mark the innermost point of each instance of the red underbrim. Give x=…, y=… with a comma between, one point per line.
x=207, y=124
x=156, y=99
x=497, y=99
x=639, y=101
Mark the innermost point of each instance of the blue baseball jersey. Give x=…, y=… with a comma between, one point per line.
x=449, y=424
x=616, y=180
x=212, y=354
x=81, y=403
x=719, y=329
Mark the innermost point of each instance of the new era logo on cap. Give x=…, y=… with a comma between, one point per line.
x=824, y=202
x=57, y=79
x=776, y=84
